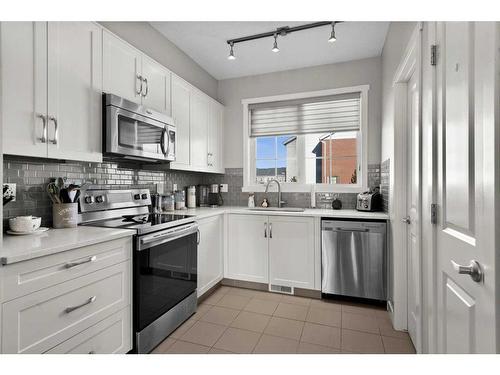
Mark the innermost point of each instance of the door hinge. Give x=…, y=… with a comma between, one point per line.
x=433, y=213
x=433, y=54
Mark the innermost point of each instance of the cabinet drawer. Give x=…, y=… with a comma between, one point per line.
x=109, y=336
x=23, y=278
x=38, y=322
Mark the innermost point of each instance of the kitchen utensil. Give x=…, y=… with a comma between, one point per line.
x=54, y=191
x=38, y=231
x=24, y=224
x=77, y=195
x=65, y=196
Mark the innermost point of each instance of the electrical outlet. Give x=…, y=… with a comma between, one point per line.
x=11, y=191
x=174, y=187
x=223, y=188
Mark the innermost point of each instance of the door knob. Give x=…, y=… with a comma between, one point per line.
x=473, y=270
x=406, y=220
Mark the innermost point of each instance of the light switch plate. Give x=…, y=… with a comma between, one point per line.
x=10, y=191
x=223, y=188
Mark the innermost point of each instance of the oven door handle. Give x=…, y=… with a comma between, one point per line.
x=161, y=238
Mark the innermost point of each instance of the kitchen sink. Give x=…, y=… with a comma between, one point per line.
x=282, y=209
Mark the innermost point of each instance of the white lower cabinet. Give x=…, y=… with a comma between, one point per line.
x=247, y=255
x=279, y=250
x=84, y=296
x=291, y=251
x=210, y=251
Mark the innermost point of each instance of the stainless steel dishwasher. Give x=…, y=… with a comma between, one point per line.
x=354, y=259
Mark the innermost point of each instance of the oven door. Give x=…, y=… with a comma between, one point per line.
x=165, y=267
x=137, y=136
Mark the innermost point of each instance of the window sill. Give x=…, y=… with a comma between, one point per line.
x=304, y=188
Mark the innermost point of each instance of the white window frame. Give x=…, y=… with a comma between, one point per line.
x=249, y=184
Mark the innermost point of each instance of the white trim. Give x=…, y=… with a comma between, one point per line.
x=410, y=64
x=249, y=144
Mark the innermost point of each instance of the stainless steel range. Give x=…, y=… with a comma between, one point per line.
x=165, y=260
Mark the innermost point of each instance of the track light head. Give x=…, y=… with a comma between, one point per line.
x=275, y=47
x=332, y=35
x=231, y=53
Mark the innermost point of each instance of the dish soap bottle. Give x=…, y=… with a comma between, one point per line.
x=251, y=200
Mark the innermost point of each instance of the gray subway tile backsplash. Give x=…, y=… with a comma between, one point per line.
x=32, y=175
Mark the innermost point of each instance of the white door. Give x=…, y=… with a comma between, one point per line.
x=215, y=131
x=413, y=210
x=180, y=114
x=121, y=68
x=291, y=251
x=156, y=93
x=199, y=130
x=74, y=91
x=210, y=266
x=24, y=87
x=467, y=146
x=247, y=253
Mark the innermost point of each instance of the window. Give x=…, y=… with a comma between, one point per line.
x=314, y=140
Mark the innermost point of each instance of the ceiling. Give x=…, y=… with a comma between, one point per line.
x=205, y=43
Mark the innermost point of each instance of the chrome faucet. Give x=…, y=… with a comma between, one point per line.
x=279, y=190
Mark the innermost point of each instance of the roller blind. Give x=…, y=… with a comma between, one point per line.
x=311, y=115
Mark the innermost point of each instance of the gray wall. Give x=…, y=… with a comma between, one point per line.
x=150, y=41
x=352, y=73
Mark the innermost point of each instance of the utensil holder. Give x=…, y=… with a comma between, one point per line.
x=65, y=215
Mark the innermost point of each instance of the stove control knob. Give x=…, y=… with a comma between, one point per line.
x=99, y=199
x=89, y=199
x=144, y=196
x=137, y=196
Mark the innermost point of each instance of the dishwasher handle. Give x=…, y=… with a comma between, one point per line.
x=338, y=229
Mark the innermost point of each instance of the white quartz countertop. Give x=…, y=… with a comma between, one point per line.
x=20, y=248
x=201, y=212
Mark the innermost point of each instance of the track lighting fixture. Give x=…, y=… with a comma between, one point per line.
x=332, y=35
x=275, y=47
x=282, y=31
x=231, y=53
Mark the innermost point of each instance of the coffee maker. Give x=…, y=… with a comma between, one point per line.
x=202, y=195
x=214, y=196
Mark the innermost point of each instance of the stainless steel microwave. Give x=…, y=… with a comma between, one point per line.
x=132, y=131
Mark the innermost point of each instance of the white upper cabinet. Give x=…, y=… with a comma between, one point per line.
x=156, y=86
x=24, y=87
x=51, y=83
x=291, y=251
x=180, y=115
x=74, y=91
x=121, y=68
x=199, y=130
x=215, y=137
x=134, y=76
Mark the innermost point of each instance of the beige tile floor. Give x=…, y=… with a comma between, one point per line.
x=234, y=320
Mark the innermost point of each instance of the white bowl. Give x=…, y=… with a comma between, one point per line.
x=25, y=223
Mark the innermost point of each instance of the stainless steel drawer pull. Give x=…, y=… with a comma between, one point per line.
x=73, y=308
x=74, y=264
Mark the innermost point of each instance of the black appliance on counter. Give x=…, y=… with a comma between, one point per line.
x=164, y=260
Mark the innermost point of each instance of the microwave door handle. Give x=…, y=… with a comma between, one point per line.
x=168, y=142
x=162, y=142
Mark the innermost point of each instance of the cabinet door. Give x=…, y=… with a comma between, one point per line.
x=291, y=251
x=157, y=86
x=24, y=86
x=247, y=253
x=210, y=266
x=215, y=141
x=121, y=67
x=74, y=91
x=180, y=115
x=199, y=131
